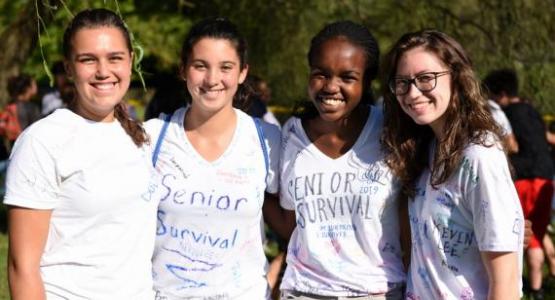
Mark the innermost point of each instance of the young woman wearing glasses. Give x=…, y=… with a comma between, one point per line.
x=445, y=148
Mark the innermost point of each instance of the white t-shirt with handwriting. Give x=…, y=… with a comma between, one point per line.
x=477, y=209
x=209, y=243
x=346, y=240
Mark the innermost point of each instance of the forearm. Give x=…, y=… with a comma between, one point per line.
x=503, y=291
x=280, y=221
x=27, y=233
x=512, y=144
x=25, y=284
x=405, y=232
x=502, y=269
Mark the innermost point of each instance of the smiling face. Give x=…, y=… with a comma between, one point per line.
x=425, y=108
x=213, y=73
x=100, y=65
x=336, y=78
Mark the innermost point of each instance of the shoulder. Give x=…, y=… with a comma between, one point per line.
x=58, y=124
x=290, y=126
x=489, y=151
x=53, y=132
x=517, y=109
x=270, y=131
x=153, y=126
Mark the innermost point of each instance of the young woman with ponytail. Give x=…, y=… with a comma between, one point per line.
x=215, y=164
x=80, y=222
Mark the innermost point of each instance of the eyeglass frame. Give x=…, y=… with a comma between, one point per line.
x=412, y=81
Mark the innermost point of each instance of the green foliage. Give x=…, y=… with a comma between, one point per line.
x=518, y=34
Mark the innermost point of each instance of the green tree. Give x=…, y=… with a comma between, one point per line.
x=519, y=34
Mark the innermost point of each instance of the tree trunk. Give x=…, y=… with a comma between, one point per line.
x=19, y=40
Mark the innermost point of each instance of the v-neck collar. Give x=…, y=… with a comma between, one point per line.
x=369, y=123
x=191, y=149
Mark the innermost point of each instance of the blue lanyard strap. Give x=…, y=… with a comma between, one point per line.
x=262, y=143
x=160, y=139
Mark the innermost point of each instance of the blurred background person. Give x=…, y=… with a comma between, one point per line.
x=21, y=111
x=261, y=96
x=532, y=164
x=53, y=99
x=169, y=96
x=501, y=120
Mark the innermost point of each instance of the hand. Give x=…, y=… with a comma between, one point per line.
x=527, y=233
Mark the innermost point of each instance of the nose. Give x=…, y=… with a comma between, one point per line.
x=331, y=86
x=212, y=77
x=102, y=69
x=413, y=90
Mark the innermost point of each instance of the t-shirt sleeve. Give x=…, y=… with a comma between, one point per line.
x=152, y=128
x=272, y=138
x=491, y=196
x=503, y=122
x=286, y=165
x=31, y=179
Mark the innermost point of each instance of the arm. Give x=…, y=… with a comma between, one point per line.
x=404, y=226
x=27, y=233
x=527, y=233
x=280, y=220
x=502, y=268
x=512, y=144
x=550, y=137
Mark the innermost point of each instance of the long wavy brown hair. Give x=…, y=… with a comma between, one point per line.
x=468, y=119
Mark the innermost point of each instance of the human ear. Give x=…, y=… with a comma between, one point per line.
x=243, y=74
x=69, y=71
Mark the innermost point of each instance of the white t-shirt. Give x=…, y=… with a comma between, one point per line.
x=92, y=176
x=346, y=242
x=270, y=118
x=209, y=243
x=50, y=102
x=500, y=117
x=476, y=209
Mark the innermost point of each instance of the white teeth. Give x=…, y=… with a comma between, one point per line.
x=330, y=101
x=417, y=105
x=212, y=91
x=104, y=86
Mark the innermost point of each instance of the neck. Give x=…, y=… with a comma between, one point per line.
x=210, y=124
x=343, y=126
x=339, y=135
x=93, y=116
x=514, y=100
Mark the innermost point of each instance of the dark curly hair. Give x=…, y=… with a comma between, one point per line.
x=356, y=34
x=469, y=121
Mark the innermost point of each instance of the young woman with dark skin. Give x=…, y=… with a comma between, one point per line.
x=335, y=188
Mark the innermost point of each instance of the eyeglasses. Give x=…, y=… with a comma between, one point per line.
x=424, y=82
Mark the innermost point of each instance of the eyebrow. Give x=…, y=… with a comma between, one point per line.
x=326, y=70
x=205, y=62
x=92, y=54
x=351, y=72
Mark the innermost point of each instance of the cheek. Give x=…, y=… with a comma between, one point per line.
x=192, y=76
x=400, y=103
x=357, y=91
x=446, y=97
x=189, y=84
x=313, y=87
